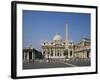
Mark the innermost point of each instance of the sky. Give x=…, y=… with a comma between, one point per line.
x=39, y=26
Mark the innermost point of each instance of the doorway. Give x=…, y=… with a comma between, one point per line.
x=88, y=52
x=30, y=55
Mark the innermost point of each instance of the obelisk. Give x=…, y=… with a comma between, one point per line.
x=66, y=37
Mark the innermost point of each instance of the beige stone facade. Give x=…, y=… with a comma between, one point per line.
x=56, y=49
x=82, y=49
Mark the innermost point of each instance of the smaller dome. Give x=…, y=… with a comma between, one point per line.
x=57, y=37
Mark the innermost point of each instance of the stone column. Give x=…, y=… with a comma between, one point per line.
x=62, y=54
x=59, y=52
x=24, y=56
x=56, y=52
x=32, y=55
x=53, y=52
x=27, y=56
x=68, y=53
x=49, y=52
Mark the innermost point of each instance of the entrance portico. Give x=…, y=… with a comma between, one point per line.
x=28, y=55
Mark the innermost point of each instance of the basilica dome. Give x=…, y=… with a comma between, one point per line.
x=57, y=37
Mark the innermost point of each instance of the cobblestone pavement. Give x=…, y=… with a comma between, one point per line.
x=37, y=64
x=80, y=62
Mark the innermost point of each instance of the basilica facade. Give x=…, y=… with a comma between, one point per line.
x=56, y=49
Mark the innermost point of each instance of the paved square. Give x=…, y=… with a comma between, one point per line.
x=43, y=64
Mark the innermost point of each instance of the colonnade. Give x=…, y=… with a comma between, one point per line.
x=28, y=56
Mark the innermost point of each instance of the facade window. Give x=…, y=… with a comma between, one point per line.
x=66, y=53
x=30, y=55
x=58, y=54
x=88, y=54
x=51, y=53
x=70, y=53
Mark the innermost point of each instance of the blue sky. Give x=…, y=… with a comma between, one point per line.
x=42, y=25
